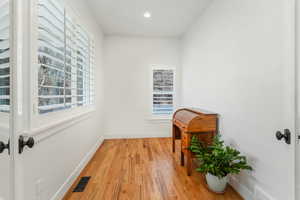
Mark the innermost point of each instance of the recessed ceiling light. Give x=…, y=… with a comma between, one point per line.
x=147, y=14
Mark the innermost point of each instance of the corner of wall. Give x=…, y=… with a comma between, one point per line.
x=250, y=192
x=242, y=189
x=73, y=176
x=137, y=135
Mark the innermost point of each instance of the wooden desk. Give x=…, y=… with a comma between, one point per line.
x=192, y=121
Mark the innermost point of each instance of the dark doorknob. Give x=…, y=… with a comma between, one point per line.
x=286, y=136
x=23, y=143
x=4, y=146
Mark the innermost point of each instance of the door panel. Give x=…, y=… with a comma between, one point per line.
x=4, y=97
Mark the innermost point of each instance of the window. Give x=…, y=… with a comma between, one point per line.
x=162, y=91
x=65, y=57
x=4, y=57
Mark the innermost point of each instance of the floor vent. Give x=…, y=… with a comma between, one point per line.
x=82, y=184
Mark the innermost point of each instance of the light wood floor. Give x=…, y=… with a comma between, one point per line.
x=142, y=169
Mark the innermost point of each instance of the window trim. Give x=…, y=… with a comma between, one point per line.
x=35, y=119
x=162, y=117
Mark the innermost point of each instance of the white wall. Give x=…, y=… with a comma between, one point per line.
x=55, y=160
x=233, y=64
x=127, y=71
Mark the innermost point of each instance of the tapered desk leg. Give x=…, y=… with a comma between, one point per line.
x=189, y=157
x=173, y=138
x=189, y=163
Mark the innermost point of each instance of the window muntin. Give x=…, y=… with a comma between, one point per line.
x=4, y=57
x=64, y=59
x=162, y=91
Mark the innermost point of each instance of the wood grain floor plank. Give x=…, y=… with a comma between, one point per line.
x=142, y=169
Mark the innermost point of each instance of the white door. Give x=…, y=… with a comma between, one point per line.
x=298, y=100
x=251, y=83
x=286, y=162
x=6, y=160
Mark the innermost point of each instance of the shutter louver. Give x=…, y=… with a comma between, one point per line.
x=92, y=79
x=71, y=63
x=82, y=67
x=51, y=56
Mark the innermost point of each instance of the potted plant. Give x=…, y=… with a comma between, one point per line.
x=217, y=161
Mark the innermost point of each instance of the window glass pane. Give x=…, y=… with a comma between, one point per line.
x=163, y=92
x=163, y=80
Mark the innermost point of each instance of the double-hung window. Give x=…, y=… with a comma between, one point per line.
x=163, y=91
x=4, y=57
x=65, y=58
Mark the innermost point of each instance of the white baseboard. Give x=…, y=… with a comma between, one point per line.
x=260, y=194
x=256, y=193
x=241, y=189
x=70, y=180
x=132, y=136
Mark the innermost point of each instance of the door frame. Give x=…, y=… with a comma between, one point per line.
x=297, y=95
x=15, y=89
x=291, y=78
x=12, y=46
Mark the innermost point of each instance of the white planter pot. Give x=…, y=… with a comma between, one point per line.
x=215, y=184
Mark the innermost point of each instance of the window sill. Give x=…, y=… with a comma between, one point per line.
x=160, y=119
x=42, y=120
x=43, y=132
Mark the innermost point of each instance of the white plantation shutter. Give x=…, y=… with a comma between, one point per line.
x=51, y=56
x=163, y=91
x=92, y=78
x=4, y=57
x=83, y=63
x=64, y=59
x=71, y=62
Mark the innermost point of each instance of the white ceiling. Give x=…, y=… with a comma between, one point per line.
x=170, y=18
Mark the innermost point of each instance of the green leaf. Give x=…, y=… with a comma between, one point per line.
x=218, y=159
